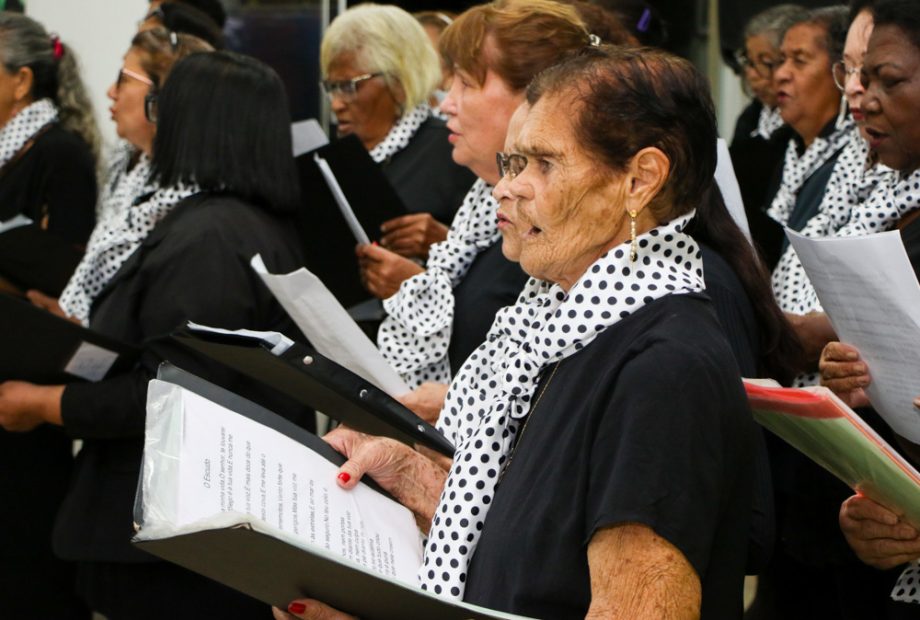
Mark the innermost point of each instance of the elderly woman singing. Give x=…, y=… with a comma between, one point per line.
x=602, y=433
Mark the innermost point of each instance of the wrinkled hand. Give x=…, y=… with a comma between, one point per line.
x=310, y=609
x=814, y=331
x=48, y=303
x=24, y=406
x=383, y=271
x=412, y=235
x=844, y=373
x=879, y=537
x=426, y=400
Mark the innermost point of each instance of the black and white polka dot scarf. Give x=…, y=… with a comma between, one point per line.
x=798, y=168
x=907, y=588
x=401, y=134
x=123, y=187
x=768, y=122
x=493, y=391
x=23, y=127
x=115, y=244
x=415, y=335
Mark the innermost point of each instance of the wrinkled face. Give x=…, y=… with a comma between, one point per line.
x=127, y=107
x=806, y=94
x=511, y=243
x=13, y=94
x=564, y=209
x=371, y=112
x=853, y=55
x=478, y=118
x=891, y=77
x=758, y=73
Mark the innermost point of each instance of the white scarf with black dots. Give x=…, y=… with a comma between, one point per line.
x=768, y=122
x=401, y=134
x=415, y=335
x=23, y=127
x=907, y=588
x=114, y=245
x=492, y=394
x=123, y=185
x=798, y=168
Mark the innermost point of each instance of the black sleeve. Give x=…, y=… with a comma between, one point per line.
x=659, y=456
x=732, y=318
x=70, y=191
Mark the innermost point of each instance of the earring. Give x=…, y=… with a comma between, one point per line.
x=633, y=244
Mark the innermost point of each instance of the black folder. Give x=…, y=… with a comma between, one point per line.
x=277, y=572
x=328, y=242
x=38, y=346
x=33, y=258
x=317, y=382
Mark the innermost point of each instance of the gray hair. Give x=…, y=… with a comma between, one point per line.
x=387, y=39
x=25, y=43
x=774, y=22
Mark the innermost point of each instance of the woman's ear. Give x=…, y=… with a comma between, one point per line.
x=648, y=172
x=24, y=80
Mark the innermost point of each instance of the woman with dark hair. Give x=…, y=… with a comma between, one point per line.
x=227, y=186
x=608, y=387
x=184, y=18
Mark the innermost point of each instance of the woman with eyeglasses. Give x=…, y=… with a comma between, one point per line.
x=379, y=72
x=215, y=207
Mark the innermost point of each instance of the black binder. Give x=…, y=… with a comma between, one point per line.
x=302, y=374
x=277, y=572
x=33, y=258
x=37, y=346
x=328, y=242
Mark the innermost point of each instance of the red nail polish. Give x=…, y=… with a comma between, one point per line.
x=374, y=243
x=345, y=477
x=297, y=608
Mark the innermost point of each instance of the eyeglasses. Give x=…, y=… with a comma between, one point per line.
x=151, y=101
x=510, y=164
x=347, y=89
x=843, y=73
x=764, y=67
x=122, y=73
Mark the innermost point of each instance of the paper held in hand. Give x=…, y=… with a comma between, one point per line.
x=347, y=212
x=870, y=293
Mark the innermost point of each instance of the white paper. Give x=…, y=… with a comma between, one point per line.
x=870, y=293
x=207, y=461
x=307, y=136
x=280, y=343
x=328, y=326
x=14, y=222
x=340, y=199
x=731, y=192
x=90, y=362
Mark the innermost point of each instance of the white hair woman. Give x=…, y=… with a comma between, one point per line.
x=379, y=71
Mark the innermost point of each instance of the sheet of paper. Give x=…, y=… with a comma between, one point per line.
x=340, y=199
x=870, y=293
x=90, y=362
x=14, y=222
x=307, y=136
x=327, y=325
x=227, y=463
x=280, y=343
x=731, y=192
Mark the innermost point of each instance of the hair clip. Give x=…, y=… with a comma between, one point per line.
x=594, y=40
x=173, y=39
x=645, y=20
x=57, y=47
x=444, y=18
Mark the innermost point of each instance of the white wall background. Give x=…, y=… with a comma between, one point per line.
x=100, y=31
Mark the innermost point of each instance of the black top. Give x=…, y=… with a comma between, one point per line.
x=193, y=266
x=55, y=177
x=425, y=176
x=648, y=424
x=491, y=283
x=910, y=235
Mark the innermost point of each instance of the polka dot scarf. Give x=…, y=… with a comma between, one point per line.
x=415, y=335
x=907, y=588
x=123, y=187
x=767, y=123
x=115, y=244
x=23, y=127
x=401, y=133
x=493, y=391
x=798, y=168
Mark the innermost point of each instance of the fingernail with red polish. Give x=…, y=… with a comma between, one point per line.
x=297, y=608
x=374, y=243
x=344, y=477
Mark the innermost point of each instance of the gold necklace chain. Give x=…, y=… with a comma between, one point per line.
x=520, y=436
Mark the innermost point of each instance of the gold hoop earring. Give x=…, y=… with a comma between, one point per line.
x=633, y=244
